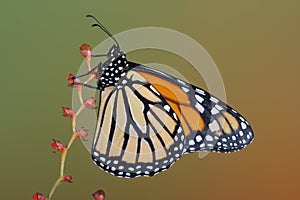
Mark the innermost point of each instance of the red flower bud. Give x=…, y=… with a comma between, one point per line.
x=39, y=196
x=99, y=195
x=70, y=78
x=86, y=51
x=67, y=179
x=90, y=103
x=73, y=82
x=68, y=112
x=82, y=133
x=58, y=146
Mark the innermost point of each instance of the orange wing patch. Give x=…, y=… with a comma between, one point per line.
x=233, y=122
x=179, y=102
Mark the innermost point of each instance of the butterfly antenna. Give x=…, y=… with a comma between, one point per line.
x=103, y=28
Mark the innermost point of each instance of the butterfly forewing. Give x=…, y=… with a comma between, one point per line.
x=137, y=134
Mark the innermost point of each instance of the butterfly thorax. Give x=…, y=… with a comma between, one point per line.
x=113, y=69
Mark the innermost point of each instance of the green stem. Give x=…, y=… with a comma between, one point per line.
x=64, y=154
x=57, y=182
x=62, y=162
x=62, y=166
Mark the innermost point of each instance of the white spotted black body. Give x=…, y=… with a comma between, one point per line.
x=113, y=69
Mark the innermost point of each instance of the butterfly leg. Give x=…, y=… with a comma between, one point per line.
x=92, y=71
x=86, y=85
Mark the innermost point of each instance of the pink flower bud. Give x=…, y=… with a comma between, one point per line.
x=68, y=112
x=90, y=103
x=99, y=195
x=73, y=82
x=39, y=196
x=58, y=146
x=67, y=179
x=82, y=133
x=86, y=51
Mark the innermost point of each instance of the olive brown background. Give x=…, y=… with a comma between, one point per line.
x=255, y=45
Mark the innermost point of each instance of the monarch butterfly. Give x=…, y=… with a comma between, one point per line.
x=148, y=119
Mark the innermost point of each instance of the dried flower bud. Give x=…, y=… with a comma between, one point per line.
x=90, y=103
x=58, y=146
x=70, y=78
x=67, y=179
x=82, y=133
x=86, y=51
x=39, y=196
x=67, y=112
x=73, y=82
x=99, y=195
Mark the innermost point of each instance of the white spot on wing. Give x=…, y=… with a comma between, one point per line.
x=154, y=90
x=198, y=138
x=214, y=111
x=244, y=126
x=96, y=154
x=181, y=82
x=175, y=116
x=209, y=138
x=241, y=133
x=200, y=91
x=130, y=168
x=219, y=107
x=185, y=89
x=199, y=107
x=199, y=99
x=102, y=159
x=214, y=126
x=191, y=142
x=213, y=99
x=167, y=108
x=179, y=130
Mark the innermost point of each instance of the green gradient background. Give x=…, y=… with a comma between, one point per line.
x=255, y=44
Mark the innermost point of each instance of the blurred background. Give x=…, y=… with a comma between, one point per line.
x=255, y=45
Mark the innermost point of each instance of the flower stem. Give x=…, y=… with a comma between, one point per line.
x=57, y=182
x=62, y=163
x=63, y=159
x=79, y=92
x=73, y=138
x=79, y=110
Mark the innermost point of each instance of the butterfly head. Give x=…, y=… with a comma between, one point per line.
x=113, y=69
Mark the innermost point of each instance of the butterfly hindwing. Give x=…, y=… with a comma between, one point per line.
x=226, y=130
x=208, y=123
